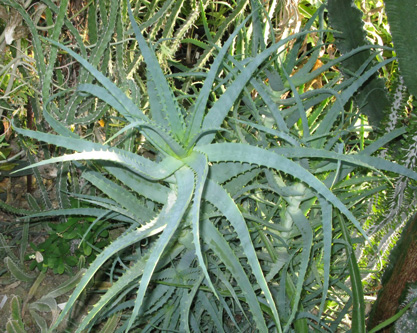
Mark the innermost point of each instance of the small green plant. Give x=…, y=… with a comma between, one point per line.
x=15, y=323
x=67, y=242
x=2, y=146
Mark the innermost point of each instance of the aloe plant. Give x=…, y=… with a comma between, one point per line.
x=235, y=219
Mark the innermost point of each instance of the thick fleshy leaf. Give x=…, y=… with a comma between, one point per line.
x=219, y=110
x=202, y=99
x=217, y=196
x=306, y=231
x=94, y=151
x=236, y=152
x=374, y=163
x=120, y=195
x=172, y=216
x=198, y=163
x=128, y=238
x=164, y=107
x=327, y=248
x=222, y=249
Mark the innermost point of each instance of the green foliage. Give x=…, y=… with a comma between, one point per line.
x=253, y=203
x=17, y=270
x=46, y=305
x=237, y=187
x=15, y=89
x=408, y=321
x=403, y=27
x=48, y=302
x=391, y=209
x=345, y=17
x=68, y=241
x=15, y=265
x=2, y=150
x=15, y=323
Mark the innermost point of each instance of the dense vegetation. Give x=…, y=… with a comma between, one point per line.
x=206, y=166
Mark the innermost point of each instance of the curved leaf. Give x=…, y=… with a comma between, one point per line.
x=172, y=217
x=198, y=163
x=237, y=152
x=128, y=238
x=222, y=249
x=95, y=151
x=164, y=107
x=217, y=196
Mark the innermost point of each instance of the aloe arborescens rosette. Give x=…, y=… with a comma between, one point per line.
x=209, y=249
